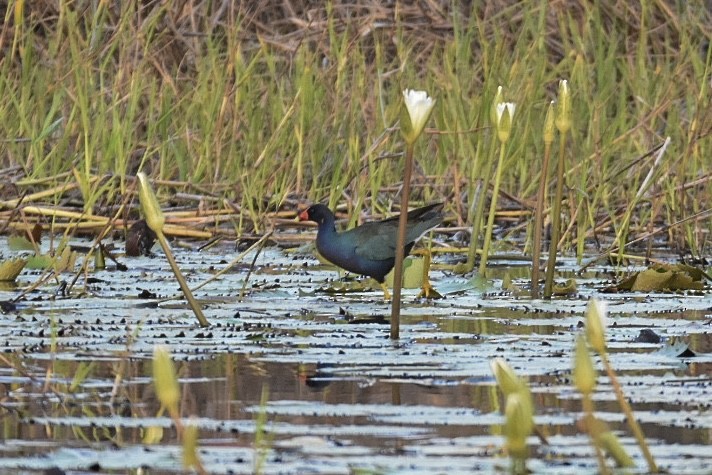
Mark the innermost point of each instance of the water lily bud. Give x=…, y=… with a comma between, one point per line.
x=584, y=372
x=612, y=445
x=149, y=204
x=596, y=325
x=507, y=379
x=563, y=112
x=164, y=378
x=518, y=424
x=549, y=124
x=190, y=446
x=505, y=115
x=99, y=261
x=416, y=109
x=152, y=435
x=498, y=98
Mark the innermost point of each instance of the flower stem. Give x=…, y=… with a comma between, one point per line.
x=628, y=411
x=493, y=208
x=589, y=418
x=400, y=244
x=539, y=220
x=555, y=221
x=194, y=305
x=478, y=195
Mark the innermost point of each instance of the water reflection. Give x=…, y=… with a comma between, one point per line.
x=228, y=387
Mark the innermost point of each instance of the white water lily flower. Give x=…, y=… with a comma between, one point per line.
x=504, y=123
x=497, y=99
x=419, y=106
x=510, y=106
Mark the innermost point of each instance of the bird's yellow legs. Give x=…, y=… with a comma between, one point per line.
x=426, y=289
x=386, y=293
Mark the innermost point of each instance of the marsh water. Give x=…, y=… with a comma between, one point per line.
x=300, y=376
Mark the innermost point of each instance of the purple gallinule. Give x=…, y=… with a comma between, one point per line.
x=369, y=249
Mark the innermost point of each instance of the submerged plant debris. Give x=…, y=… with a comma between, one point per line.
x=77, y=390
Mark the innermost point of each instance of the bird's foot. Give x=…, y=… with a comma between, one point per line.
x=386, y=293
x=427, y=291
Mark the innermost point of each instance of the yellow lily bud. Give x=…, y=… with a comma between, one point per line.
x=596, y=325
x=584, y=373
x=563, y=112
x=149, y=204
x=518, y=424
x=507, y=379
x=505, y=116
x=498, y=98
x=190, y=446
x=549, y=124
x=165, y=379
x=611, y=444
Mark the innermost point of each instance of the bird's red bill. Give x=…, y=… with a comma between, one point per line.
x=304, y=215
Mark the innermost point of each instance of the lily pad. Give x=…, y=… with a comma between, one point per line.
x=24, y=240
x=662, y=277
x=11, y=268
x=64, y=261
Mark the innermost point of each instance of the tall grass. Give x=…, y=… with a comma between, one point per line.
x=269, y=104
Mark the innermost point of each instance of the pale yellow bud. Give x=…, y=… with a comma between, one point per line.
x=563, y=112
x=584, y=373
x=505, y=116
x=518, y=424
x=507, y=379
x=612, y=445
x=498, y=98
x=596, y=325
x=549, y=124
x=191, y=459
x=164, y=379
x=149, y=204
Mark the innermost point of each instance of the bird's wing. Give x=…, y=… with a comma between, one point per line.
x=374, y=241
x=377, y=240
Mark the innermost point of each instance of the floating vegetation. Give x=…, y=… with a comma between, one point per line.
x=240, y=116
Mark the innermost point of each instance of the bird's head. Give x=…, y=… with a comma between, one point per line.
x=317, y=213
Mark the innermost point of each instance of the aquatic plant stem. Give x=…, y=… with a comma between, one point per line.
x=548, y=136
x=400, y=244
x=587, y=403
x=623, y=228
x=629, y=415
x=539, y=220
x=261, y=244
x=262, y=437
x=555, y=221
x=155, y=220
x=181, y=280
x=477, y=207
x=492, y=210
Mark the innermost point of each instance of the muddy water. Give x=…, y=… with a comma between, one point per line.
x=76, y=392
